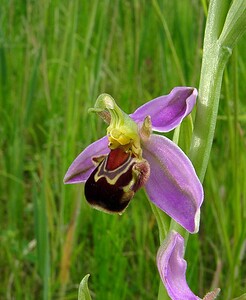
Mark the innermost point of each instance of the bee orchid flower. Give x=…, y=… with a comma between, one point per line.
x=131, y=156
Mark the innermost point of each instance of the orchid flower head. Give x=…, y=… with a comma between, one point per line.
x=132, y=156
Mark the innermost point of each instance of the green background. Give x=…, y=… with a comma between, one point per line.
x=56, y=57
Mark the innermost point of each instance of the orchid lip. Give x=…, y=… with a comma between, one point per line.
x=115, y=180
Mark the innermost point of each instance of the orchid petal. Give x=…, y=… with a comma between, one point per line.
x=82, y=166
x=172, y=268
x=168, y=111
x=173, y=185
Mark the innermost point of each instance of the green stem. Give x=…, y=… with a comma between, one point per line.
x=163, y=221
x=223, y=29
x=207, y=107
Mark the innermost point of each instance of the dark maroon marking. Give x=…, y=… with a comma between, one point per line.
x=116, y=158
x=112, y=197
x=107, y=196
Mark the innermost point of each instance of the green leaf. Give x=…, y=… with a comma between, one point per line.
x=235, y=24
x=84, y=293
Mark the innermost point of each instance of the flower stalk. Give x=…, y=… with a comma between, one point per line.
x=225, y=25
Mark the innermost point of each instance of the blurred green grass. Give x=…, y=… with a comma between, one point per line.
x=55, y=59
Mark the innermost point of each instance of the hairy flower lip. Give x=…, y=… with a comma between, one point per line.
x=113, y=183
x=169, y=187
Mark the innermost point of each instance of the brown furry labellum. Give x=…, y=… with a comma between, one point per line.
x=115, y=180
